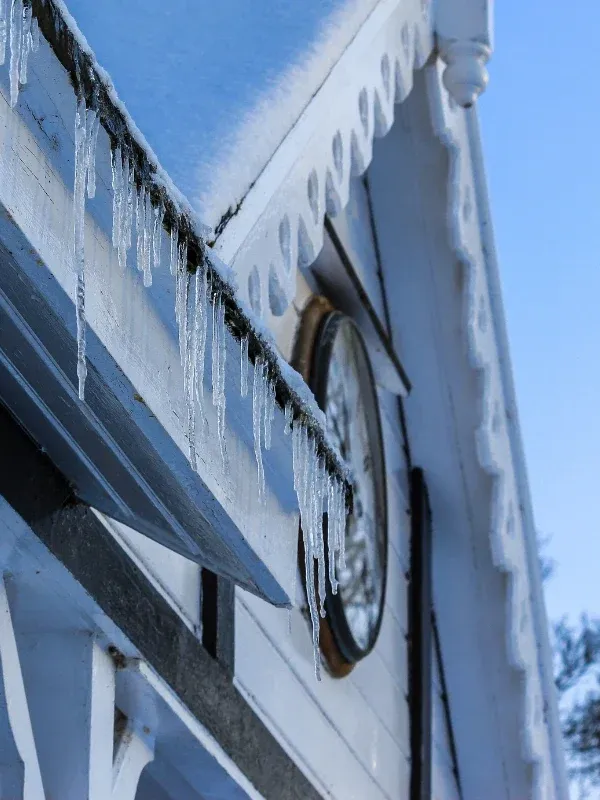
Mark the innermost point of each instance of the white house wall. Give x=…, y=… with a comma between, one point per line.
x=349, y=736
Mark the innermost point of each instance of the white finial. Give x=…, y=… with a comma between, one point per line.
x=465, y=76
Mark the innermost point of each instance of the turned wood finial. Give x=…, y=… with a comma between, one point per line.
x=464, y=34
x=465, y=76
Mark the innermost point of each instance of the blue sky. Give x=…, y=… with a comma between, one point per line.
x=541, y=135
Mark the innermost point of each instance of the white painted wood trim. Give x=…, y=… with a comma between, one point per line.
x=509, y=533
x=133, y=754
x=279, y=225
x=15, y=699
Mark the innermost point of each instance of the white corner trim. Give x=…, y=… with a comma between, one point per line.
x=508, y=533
x=279, y=225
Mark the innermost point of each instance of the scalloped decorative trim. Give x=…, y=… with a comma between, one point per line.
x=280, y=224
x=492, y=436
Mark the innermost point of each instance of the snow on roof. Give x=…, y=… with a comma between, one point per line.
x=215, y=87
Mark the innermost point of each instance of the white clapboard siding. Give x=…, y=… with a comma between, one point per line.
x=176, y=578
x=361, y=722
x=397, y=478
x=444, y=785
x=443, y=782
x=309, y=732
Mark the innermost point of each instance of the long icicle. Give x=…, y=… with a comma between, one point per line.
x=16, y=45
x=201, y=311
x=318, y=478
x=3, y=29
x=189, y=373
x=302, y=448
x=159, y=216
x=81, y=165
x=117, y=185
x=219, y=354
x=257, y=412
x=25, y=43
x=93, y=126
x=244, y=365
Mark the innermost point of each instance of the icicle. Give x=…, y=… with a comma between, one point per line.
x=35, y=35
x=201, y=307
x=117, y=184
x=289, y=416
x=219, y=353
x=319, y=491
x=81, y=145
x=148, y=255
x=159, y=216
x=244, y=361
x=340, y=523
x=189, y=372
x=304, y=458
x=129, y=190
x=140, y=225
x=269, y=412
x=16, y=45
x=173, y=244
x=331, y=535
x=93, y=125
x=25, y=43
x=3, y=30
x=257, y=412
x=181, y=297
x=144, y=226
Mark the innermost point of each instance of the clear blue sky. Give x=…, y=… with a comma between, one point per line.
x=540, y=119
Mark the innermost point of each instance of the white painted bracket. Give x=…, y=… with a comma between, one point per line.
x=133, y=753
x=465, y=39
x=19, y=767
x=71, y=688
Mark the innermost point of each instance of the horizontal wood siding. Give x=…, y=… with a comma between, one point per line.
x=349, y=736
x=444, y=784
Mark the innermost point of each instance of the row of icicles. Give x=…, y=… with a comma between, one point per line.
x=195, y=301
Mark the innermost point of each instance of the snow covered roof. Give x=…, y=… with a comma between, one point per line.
x=215, y=87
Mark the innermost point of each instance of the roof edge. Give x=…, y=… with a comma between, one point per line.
x=517, y=448
x=498, y=439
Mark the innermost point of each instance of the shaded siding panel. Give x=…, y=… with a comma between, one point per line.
x=350, y=736
x=327, y=728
